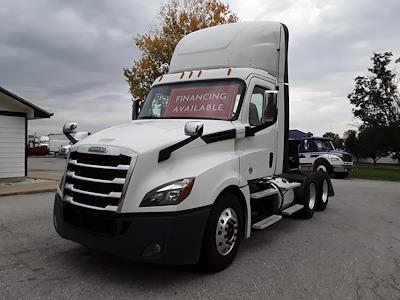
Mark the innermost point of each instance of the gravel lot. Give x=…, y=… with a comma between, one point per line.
x=350, y=251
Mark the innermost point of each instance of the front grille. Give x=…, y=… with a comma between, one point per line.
x=96, y=180
x=98, y=187
x=91, y=200
x=347, y=157
x=103, y=160
x=95, y=173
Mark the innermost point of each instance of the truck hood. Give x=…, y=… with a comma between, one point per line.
x=144, y=135
x=338, y=152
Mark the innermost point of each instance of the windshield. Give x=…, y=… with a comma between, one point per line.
x=324, y=145
x=216, y=99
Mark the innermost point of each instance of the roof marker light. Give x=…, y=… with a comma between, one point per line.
x=198, y=75
x=190, y=74
x=229, y=71
x=160, y=78
x=183, y=73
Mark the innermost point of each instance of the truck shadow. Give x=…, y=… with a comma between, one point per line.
x=113, y=269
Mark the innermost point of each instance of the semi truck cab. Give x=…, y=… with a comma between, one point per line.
x=205, y=163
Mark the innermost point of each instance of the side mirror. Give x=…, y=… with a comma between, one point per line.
x=69, y=127
x=270, y=104
x=194, y=128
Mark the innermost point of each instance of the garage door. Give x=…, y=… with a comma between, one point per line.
x=12, y=146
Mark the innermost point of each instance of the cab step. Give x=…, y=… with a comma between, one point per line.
x=267, y=222
x=292, y=209
x=264, y=193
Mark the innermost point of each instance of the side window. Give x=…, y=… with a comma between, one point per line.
x=262, y=107
x=256, y=106
x=301, y=146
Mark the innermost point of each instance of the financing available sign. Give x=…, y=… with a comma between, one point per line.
x=214, y=102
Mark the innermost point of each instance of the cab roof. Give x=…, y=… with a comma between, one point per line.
x=237, y=45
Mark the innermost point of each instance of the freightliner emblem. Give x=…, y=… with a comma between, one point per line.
x=98, y=149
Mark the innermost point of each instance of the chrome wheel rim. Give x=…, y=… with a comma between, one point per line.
x=311, y=200
x=325, y=191
x=226, y=231
x=322, y=168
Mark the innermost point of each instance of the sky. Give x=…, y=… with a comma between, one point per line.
x=68, y=56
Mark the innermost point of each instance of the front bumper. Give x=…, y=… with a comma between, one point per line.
x=342, y=168
x=170, y=238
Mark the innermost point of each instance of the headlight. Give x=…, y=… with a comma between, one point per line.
x=335, y=158
x=171, y=193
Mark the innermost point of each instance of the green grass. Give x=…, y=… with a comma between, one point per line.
x=375, y=173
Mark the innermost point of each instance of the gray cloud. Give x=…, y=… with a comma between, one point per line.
x=331, y=42
x=67, y=56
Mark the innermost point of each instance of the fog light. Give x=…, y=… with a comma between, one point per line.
x=152, y=250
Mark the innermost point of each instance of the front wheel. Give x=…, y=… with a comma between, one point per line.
x=322, y=165
x=223, y=233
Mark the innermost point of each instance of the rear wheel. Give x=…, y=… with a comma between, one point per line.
x=309, y=198
x=322, y=192
x=223, y=233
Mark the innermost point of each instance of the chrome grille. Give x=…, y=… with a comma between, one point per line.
x=97, y=180
x=97, y=159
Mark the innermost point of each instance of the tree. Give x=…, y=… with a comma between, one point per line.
x=177, y=19
x=392, y=139
x=336, y=140
x=375, y=97
x=376, y=103
x=372, y=143
x=351, y=143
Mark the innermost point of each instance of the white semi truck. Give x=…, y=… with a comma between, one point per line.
x=206, y=162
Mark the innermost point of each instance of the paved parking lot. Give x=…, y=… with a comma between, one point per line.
x=46, y=166
x=350, y=251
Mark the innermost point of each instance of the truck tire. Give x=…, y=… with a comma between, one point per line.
x=309, y=198
x=341, y=175
x=322, y=191
x=223, y=233
x=322, y=165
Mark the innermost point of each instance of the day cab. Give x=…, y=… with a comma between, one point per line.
x=206, y=161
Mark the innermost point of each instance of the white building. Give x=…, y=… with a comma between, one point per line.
x=14, y=115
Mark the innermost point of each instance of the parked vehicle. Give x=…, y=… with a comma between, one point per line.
x=44, y=141
x=207, y=161
x=37, y=146
x=319, y=154
x=37, y=151
x=62, y=146
x=55, y=146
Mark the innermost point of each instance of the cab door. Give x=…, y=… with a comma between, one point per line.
x=257, y=151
